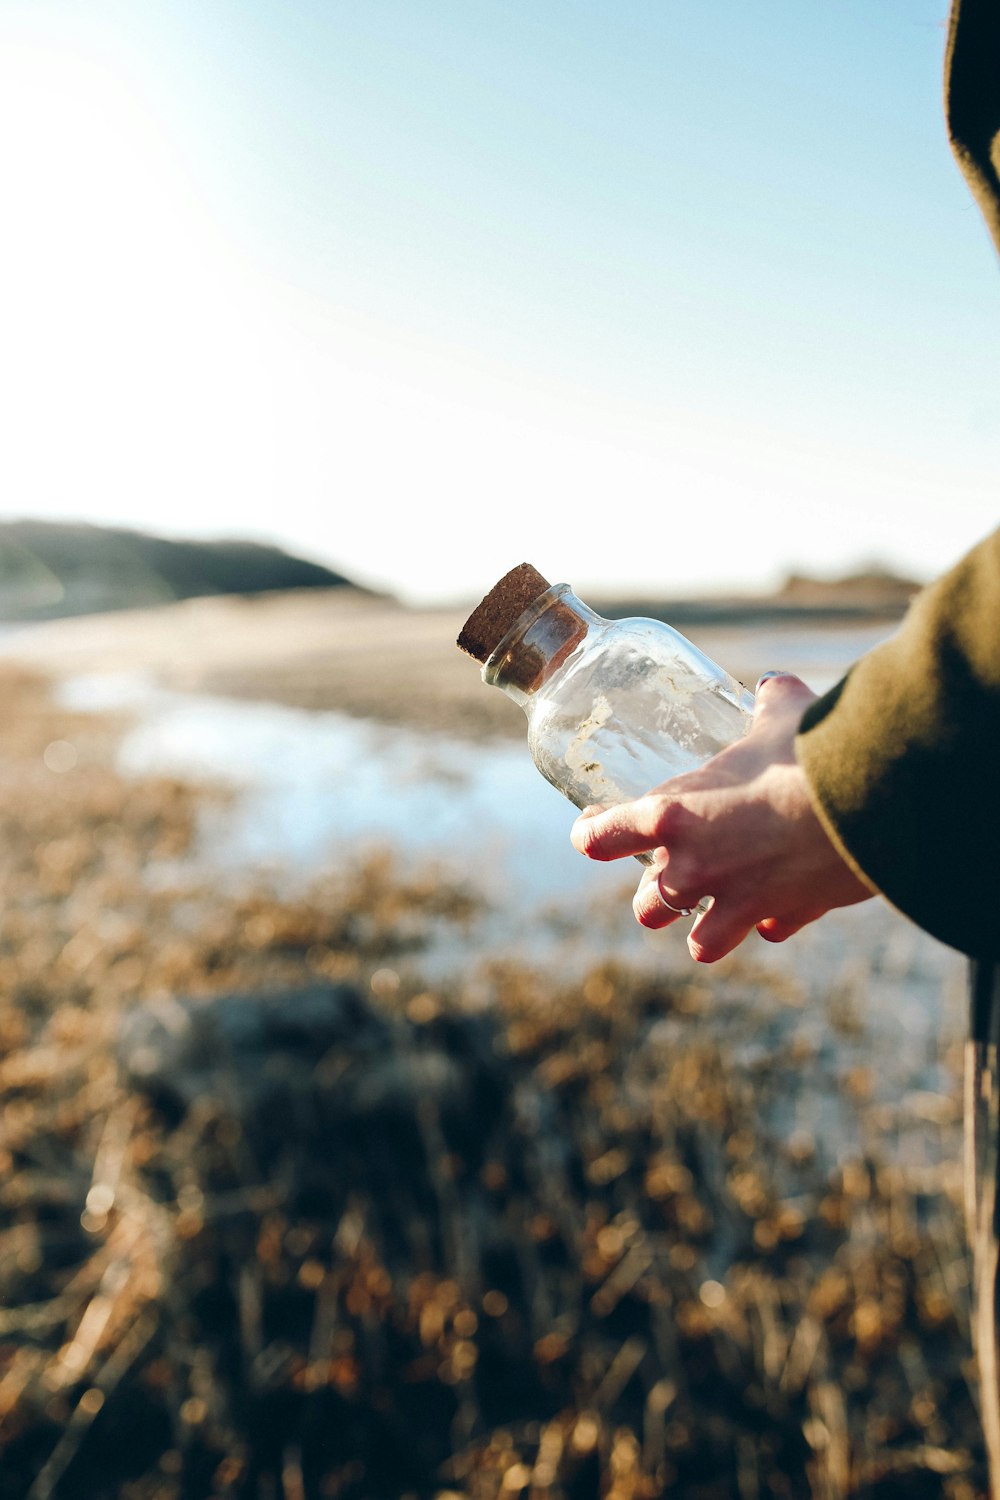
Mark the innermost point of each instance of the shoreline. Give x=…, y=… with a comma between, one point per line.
x=362, y=655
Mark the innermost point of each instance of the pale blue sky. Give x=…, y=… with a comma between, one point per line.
x=654, y=294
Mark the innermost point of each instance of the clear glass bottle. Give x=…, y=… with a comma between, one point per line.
x=614, y=707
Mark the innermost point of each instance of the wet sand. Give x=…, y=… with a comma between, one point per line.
x=345, y=650
x=335, y=649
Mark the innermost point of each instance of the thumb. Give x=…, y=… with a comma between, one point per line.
x=780, y=693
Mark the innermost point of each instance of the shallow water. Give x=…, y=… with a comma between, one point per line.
x=314, y=787
x=862, y=994
x=311, y=791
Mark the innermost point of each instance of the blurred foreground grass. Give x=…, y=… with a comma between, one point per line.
x=545, y=1243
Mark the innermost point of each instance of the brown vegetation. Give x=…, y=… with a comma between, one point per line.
x=548, y=1246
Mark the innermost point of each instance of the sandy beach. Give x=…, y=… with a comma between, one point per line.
x=357, y=653
x=337, y=649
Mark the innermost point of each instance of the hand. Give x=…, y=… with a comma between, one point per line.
x=741, y=829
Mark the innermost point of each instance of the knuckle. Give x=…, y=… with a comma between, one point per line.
x=686, y=878
x=780, y=929
x=588, y=837
x=670, y=819
x=773, y=931
x=645, y=907
x=667, y=817
x=784, y=688
x=716, y=934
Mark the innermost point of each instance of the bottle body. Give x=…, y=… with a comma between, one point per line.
x=614, y=707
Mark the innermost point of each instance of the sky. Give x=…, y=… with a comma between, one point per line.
x=654, y=294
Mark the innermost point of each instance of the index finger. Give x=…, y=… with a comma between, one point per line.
x=613, y=832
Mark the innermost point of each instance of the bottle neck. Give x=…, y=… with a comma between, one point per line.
x=539, y=643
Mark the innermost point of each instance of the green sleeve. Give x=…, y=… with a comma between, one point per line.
x=903, y=756
x=972, y=102
x=903, y=759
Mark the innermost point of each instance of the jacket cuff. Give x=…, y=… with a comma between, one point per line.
x=902, y=759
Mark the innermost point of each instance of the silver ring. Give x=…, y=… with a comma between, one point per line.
x=679, y=911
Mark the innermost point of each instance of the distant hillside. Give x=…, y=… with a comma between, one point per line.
x=49, y=569
x=874, y=587
x=872, y=594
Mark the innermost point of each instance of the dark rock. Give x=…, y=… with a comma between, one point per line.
x=241, y=1051
x=319, y=1067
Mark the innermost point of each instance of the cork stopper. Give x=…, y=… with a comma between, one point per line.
x=500, y=610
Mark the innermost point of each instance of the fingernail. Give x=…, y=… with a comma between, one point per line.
x=765, y=678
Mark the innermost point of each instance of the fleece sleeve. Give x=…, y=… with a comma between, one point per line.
x=903, y=756
x=972, y=102
x=903, y=759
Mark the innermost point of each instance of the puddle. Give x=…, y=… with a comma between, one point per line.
x=311, y=792
x=314, y=788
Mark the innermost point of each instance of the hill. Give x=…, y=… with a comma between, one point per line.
x=53, y=569
x=873, y=593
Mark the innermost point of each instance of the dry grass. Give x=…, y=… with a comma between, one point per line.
x=552, y=1247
